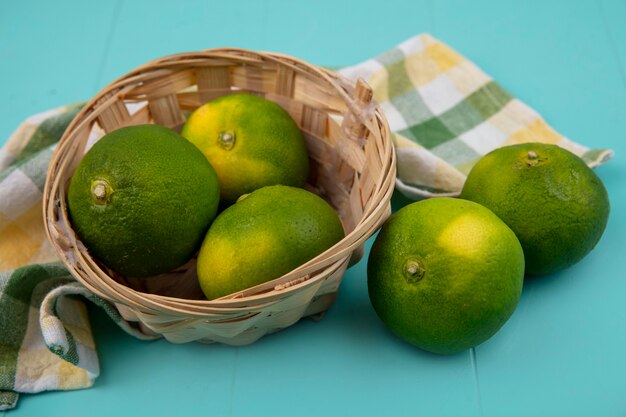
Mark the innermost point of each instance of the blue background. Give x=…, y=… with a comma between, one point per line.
x=563, y=351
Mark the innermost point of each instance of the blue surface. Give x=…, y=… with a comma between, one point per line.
x=563, y=351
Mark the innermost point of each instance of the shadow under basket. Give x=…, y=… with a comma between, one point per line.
x=352, y=167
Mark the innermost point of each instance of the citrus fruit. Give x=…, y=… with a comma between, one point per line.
x=142, y=199
x=556, y=205
x=445, y=274
x=263, y=236
x=250, y=141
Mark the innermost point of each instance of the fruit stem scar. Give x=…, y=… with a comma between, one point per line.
x=533, y=158
x=414, y=271
x=101, y=191
x=242, y=197
x=226, y=139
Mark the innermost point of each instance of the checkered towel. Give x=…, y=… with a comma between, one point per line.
x=45, y=338
x=445, y=114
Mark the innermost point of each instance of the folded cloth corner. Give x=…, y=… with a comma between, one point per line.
x=46, y=342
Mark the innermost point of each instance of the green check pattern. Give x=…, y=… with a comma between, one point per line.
x=445, y=114
x=46, y=339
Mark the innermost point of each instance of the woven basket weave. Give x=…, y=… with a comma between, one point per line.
x=352, y=167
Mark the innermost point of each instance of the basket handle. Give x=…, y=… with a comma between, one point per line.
x=352, y=126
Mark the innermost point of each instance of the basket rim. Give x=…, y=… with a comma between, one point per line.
x=163, y=62
x=370, y=219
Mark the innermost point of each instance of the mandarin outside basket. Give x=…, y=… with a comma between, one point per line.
x=352, y=167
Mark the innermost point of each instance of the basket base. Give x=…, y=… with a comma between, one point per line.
x=316, y=311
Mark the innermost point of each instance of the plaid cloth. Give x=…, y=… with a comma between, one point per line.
x=445, y=114
x=46, y=342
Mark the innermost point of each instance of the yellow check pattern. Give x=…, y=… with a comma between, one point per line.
x=446, y=114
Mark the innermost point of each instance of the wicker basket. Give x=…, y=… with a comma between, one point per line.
x=352, y=167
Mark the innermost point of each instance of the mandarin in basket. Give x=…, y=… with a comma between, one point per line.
x=251, y=142
x=142, y=199
x=264, y=235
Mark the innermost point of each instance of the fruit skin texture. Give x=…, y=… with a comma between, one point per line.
x=268, y=147
x=556, y=205
x=469, y=271
x=162, y=195
x=263, y=236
